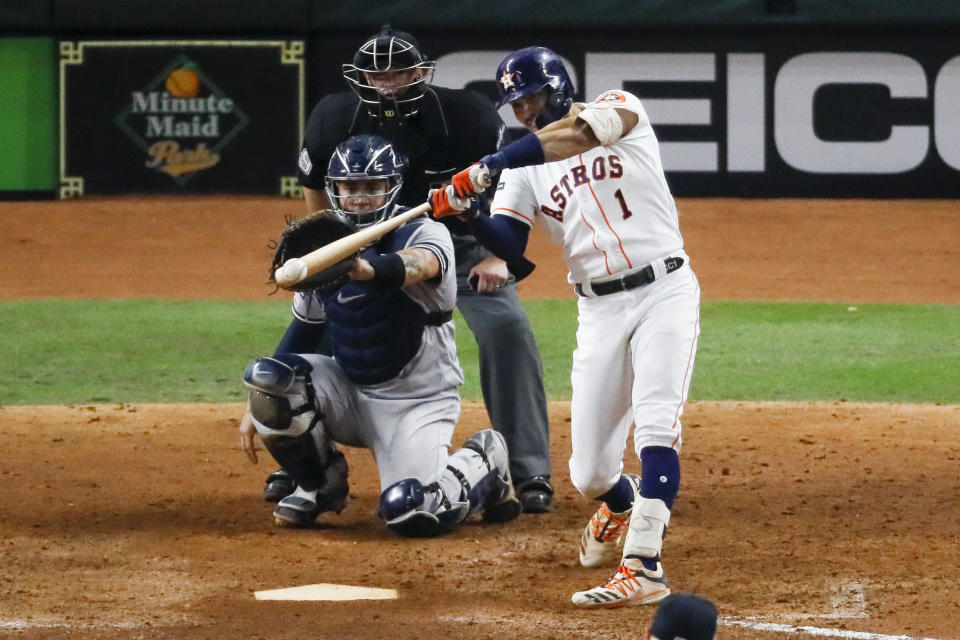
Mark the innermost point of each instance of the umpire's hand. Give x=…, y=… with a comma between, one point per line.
x=490, y=275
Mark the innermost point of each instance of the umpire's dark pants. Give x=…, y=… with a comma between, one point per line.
x=511, y=374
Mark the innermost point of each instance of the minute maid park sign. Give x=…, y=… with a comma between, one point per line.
x=182, y=120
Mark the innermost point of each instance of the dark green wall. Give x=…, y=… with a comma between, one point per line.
x=28, y=114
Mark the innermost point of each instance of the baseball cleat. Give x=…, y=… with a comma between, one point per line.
x=279, y=484
x=627, y=588
x=301, y=508
x=502, y=505
x=602, y=539
x=535, y=494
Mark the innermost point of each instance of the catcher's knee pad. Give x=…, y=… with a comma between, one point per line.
x=410, y=509
x=648, y=523
x=282, y=399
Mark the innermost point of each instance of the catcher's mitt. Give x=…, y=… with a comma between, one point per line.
x=302, y=236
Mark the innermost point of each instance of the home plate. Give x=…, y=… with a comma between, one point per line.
x=325, y=591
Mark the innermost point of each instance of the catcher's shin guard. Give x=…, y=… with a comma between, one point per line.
x=303, y=457
x=282, y=404
x=482, y=467
x=477, y=477
x=411, y=509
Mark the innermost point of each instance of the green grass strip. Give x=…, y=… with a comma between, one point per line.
x=95, y=351
x=812, y=351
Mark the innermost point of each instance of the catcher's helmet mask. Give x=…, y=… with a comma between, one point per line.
x=360, y=159
x=396, y=57
x=533, y=70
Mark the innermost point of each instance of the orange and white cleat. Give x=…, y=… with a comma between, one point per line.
x=603, y=537
x=630, y=586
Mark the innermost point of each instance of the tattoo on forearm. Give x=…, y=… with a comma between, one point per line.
x=413, y=265
x=418, y=264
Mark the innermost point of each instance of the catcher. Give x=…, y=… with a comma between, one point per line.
x=391, y=384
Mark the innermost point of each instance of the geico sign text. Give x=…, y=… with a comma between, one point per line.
x=794, y=89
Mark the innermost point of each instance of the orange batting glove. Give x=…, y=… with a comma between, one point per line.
x=471, y=180
x=446, y=203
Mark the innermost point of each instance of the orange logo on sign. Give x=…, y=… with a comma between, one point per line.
x=182, y=83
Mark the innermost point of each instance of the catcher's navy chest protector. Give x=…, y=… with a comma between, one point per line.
x=376, y=329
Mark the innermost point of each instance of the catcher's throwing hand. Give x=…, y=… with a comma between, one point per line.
x=362, y=270
x=246, y=432
x=473, y=179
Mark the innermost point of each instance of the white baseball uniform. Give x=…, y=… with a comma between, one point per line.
x=612, y=211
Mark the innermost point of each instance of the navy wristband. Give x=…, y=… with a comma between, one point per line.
x=388, y=269
x=522, y=153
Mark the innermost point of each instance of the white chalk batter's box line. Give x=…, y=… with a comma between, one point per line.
x=821, y=632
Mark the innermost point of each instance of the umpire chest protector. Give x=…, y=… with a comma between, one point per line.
x=452, y=128
x=375, y=329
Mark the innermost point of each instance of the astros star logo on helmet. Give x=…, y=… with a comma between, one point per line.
x=507, y=80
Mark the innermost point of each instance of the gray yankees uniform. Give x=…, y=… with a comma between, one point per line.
x=390, y=386
x=407, y=420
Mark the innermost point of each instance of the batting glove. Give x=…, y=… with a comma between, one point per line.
x=471, y=180
x=445, y=202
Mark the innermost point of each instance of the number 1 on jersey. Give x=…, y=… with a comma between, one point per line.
x=618, y=194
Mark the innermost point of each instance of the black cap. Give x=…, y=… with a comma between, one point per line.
x=686, y=616
x=389, y=49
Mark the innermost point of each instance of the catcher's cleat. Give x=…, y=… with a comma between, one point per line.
x=603, y=537
x=628, y=587
x=301, y=508
x=502, y=504
x=279, y=484
x=505, y=508
x=535, y=494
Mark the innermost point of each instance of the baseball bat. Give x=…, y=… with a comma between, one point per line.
x=330, y=254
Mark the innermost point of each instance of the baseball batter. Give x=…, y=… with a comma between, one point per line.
x=591, y=174
x=391, y=383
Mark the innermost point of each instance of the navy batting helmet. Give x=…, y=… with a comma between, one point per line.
x=389, y=73
x=531, y=70
x=371, y=171
x=685, y=616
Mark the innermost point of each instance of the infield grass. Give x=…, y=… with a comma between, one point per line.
x=96, y=351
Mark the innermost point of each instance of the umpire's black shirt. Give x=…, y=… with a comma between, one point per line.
x=452, y=129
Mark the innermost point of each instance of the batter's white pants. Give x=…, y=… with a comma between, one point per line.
x=633, y=363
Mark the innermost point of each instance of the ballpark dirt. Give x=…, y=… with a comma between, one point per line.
x=144, y=521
